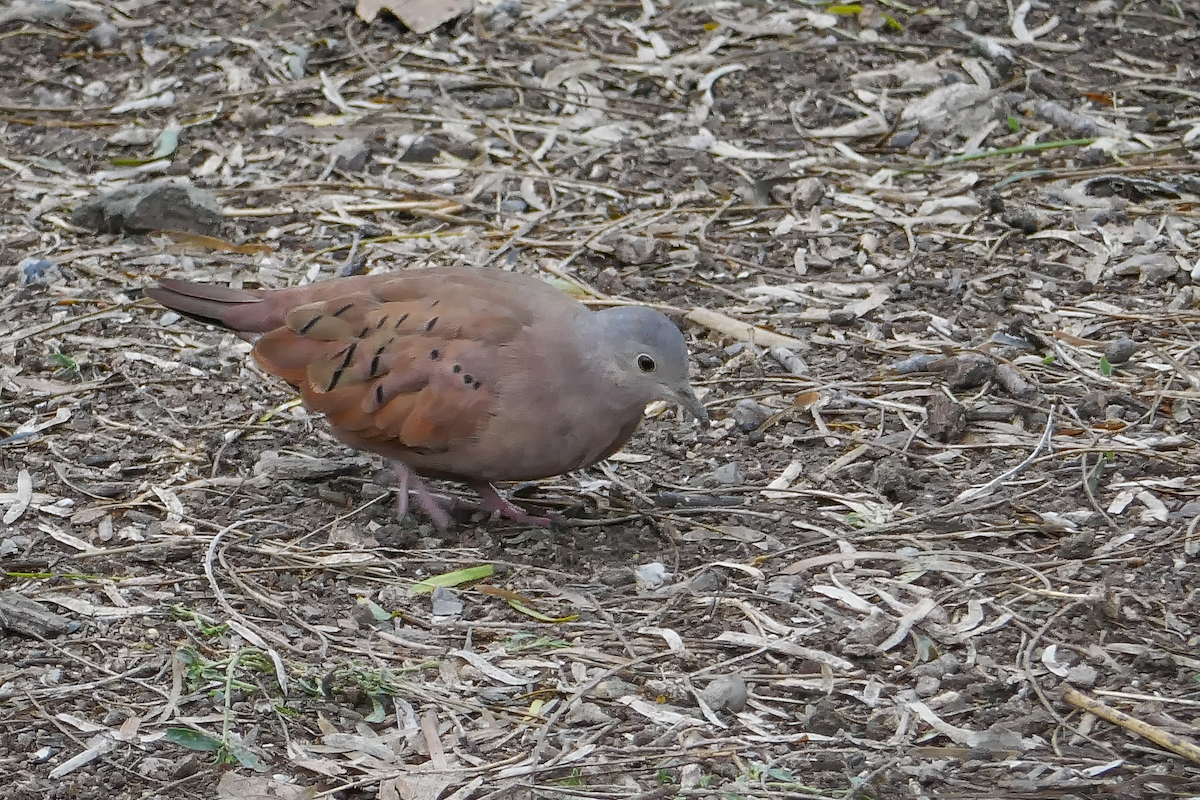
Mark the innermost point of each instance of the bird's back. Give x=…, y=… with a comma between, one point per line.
x=474, y=374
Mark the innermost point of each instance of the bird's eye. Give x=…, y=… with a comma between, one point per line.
x=646, y=363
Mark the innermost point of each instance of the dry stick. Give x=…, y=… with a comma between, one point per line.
x=113, y=677
x=1183, y=371
x=539, y=744
x=1189, y=543
x=982, y=491
x=1091, y=494
x=1003, y=151
x=280, y=610
x=1027, y=656
x=236, y=621
x=1170, y=741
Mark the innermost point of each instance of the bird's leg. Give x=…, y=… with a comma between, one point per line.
x=499, y=507
x=403, y=473
x=428, y=503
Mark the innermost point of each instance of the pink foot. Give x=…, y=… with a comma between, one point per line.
x=428, y=503
x=502, y=509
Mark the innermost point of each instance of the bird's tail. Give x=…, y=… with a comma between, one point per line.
x=238, y=309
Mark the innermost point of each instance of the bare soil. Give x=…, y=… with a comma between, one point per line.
x=949, y=498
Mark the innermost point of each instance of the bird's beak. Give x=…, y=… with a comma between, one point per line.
x=686, y=398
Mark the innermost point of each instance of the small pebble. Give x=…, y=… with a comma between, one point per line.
x=105, y=35
x=652, y=575
x=748, y=415
x=1120, y=350
x=350, y=155
x=1022, y=219
x=903, y=139
x=729, y=475
x=422, y=150
x=807, y=193
x=445, y=602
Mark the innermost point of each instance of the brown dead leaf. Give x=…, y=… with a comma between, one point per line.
x=806, y=399
x=213, y=243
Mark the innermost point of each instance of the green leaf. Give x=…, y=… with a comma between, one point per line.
x=246, y=757
x=196, y=740
x=454, y=578
x=524, y=609
x=1014, y=124
x=1105, y=367
x=193, y=740
x=1048, y=360
x=377, y=612
x=168, y=141
x=65, y=361
x=378, y=712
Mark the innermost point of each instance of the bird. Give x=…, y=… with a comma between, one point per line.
x=474, y=375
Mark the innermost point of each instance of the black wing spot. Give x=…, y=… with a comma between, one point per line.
x=457, y=368
x=363, y=333
x=400, y=321
x=467, y=379
x=434, y=303
x=429, y=325
x=382, y=321
x=308, y=326
x=342, y=310
x=476, y=385
x=375, y=360
x=435, y=354
x=378, y=394
x=337, y=373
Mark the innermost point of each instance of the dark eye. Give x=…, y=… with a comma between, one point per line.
x=646, y=363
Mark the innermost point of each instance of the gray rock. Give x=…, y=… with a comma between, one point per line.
x=927, y=686
x=726, y=693
x=167, y=205
x=587, y=714
x=612, y=688
x=423, y=150
x=635, y=250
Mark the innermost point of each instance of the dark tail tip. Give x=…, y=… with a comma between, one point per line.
x=208, y=303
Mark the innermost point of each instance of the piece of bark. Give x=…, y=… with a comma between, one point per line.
x=946, y=420
x=21, y=615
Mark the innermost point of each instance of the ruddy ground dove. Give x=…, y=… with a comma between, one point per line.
x=472, y=375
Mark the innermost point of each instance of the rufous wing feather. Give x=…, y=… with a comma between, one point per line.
x=406, y=373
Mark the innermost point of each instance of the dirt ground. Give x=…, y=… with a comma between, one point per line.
x=936, y=267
